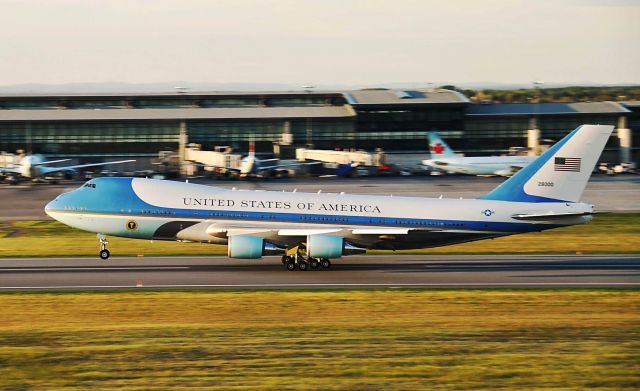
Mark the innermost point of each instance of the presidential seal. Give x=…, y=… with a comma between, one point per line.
x=132, y=225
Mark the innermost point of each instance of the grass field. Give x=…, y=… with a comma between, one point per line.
x=393, y=339
x=610, y=233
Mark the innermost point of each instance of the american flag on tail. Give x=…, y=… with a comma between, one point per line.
x=567, y=164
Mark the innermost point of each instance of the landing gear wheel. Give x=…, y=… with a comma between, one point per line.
x=313, y=263
x=104, y=253
x=285, y=258
x=325, y=263
x=302, y=265
x=291, y=266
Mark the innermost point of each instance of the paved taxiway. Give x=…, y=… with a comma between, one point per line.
x=352, y=272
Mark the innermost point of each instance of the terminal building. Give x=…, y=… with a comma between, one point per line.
x=96, y=127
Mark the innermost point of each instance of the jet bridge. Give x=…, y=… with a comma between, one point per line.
x=217, y=161
x=361, y=158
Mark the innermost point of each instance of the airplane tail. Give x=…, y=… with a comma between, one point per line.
x=438, y=147
x=561, y=173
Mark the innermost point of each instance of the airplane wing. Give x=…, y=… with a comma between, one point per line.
x=274, y=166
x=358, y=237
x=512, y=169
x=290, y=234
x=50, y=162
x=434, y=162
x=234, y=169
x=48, y=170
x=228, y=228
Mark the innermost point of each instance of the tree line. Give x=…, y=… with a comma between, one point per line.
x=547, y=95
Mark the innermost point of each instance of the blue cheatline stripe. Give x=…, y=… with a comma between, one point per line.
x=393, y=222
x=513, y=188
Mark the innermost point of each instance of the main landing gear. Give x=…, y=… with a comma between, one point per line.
x=104, y=253
x=300, y=262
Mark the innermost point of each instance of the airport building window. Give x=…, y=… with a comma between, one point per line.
x=24, y=104
x=95, y=104
x=297, y=101
x=162, y=103
x=230, y=102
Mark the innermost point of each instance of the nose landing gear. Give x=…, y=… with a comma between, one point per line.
x=104, y=253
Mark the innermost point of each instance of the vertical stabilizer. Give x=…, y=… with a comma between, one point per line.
x=561, y=173
x=438, y=147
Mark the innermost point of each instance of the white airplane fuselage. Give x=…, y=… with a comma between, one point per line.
x=192, y=212
x=481, y=165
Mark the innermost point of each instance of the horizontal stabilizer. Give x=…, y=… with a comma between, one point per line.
x=550, y=216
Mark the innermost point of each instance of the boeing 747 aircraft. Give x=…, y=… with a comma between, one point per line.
x=309, y=229
x=443, y=158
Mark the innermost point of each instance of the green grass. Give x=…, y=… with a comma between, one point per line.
x=610, y=233
x=342, y=340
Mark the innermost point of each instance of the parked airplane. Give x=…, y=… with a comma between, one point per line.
x=35, y=167
x=443, y=158
x=308, y=229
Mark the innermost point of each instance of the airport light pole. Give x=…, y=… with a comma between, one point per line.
x=308, y=89
x=533, y=137
x=536, y=95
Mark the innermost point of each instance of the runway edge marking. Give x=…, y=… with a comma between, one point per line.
x=559, y=284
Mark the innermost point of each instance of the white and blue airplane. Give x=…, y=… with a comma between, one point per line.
x=443, y=158
x=36, y=167
x=309, y=229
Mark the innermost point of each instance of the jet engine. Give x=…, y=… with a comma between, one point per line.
x=251, y=247
x=330, y=246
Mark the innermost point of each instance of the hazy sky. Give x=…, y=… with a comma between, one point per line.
x=319, y=42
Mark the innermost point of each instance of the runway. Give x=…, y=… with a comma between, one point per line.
x=401, y=271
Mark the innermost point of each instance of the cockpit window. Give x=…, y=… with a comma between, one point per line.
x=90, y=185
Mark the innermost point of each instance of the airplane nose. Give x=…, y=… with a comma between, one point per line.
x=52, y=206
x=48, y=207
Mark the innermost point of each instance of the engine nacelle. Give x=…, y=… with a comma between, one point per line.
x=251, y=247
x=330, y=246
